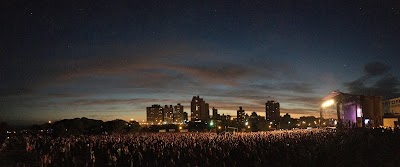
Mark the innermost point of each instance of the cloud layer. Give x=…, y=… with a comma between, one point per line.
x=382, y=82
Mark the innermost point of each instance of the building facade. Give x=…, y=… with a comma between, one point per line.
x=168, y=114
x=391, y=106
x=178, y=114
x=272, y=113
x=215, y=114
x=185, y=118
x=155, y=114
x=240, y=116
x=199, y=110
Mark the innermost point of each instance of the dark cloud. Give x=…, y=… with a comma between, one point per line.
x=357, y=86
x=308, y=101
x=65, y=95
x=297, y=87
x=222, y=73
x=376, y=69
x=24, y=77
x=386, y=85
x=14, y=91
x=96, y=102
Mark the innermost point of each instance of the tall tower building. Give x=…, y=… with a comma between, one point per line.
x=178, y=113
x=241, y=116
x=168, y=114
x=185, y=118
x=199, y=110
x=215, y=113
x=155, y=114
x=272, y=112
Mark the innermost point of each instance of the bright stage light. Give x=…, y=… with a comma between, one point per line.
x=328, y=103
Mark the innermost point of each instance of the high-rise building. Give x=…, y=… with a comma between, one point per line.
x=241, y=116
x=185, y=118
x=155, y=114
x=178, y=113
x=215, y=114
x=168, y=114
x=199, y=110
x=272, y=110
x=226, y=117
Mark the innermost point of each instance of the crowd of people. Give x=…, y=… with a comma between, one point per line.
x=352, y=147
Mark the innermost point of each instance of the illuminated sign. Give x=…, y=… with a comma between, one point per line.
x=391, y=106
x=392, y=102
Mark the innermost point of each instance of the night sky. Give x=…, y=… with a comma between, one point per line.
x=108, y=59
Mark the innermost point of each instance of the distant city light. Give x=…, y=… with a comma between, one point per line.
x=211, y=123
x=49, y=122
x=219, y=127
x=328, y=103
x=247, y=123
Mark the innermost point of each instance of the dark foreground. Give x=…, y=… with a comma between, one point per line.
x=356, y=147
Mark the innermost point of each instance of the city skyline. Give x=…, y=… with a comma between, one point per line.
x=111, y=60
